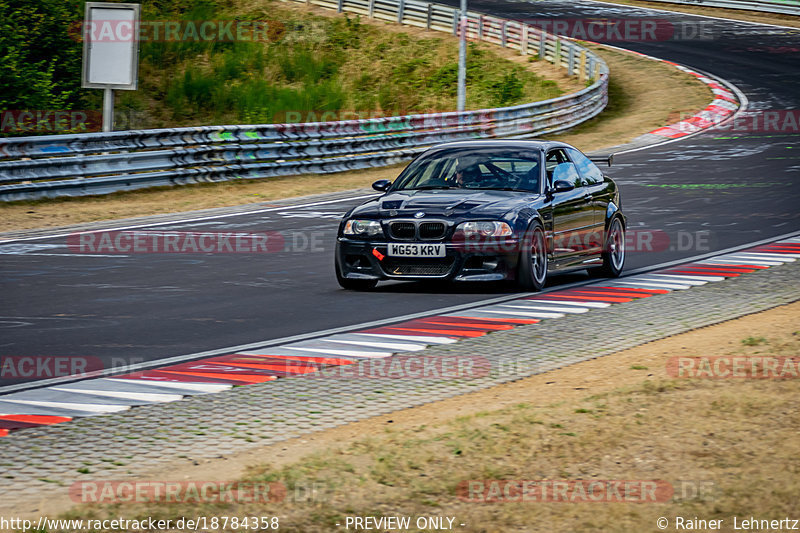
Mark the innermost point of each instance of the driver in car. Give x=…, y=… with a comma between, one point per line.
x=468, y=176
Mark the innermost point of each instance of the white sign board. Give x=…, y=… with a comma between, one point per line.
x=110, y=46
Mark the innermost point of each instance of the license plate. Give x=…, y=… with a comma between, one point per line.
x=416, y=250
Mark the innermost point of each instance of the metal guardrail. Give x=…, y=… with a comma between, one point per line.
x=100, y=163
x=786, y=7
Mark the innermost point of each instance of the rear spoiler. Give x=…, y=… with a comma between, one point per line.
x=608, y=159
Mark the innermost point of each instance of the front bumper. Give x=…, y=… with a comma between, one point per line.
x=359, y=259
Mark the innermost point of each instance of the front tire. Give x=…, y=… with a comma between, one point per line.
x=354, y=284
x=532, y=268
x=613, y=250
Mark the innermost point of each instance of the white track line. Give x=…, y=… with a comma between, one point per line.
x=655, y=285
x=693, y=277
x=570, y=310
x=86, y=407
x=580, y=303
x=420, y=338
x=526, y=314
x=784, y=258
x=143, y=396
x=188, y=220
x=401, y=347
x=664, y=279
x=347, y=353
x=188, y=386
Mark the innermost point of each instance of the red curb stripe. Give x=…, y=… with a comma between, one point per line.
x=416, y=323
x=709, y=271
x=12, y=422
x=37, y=419
x=466, y=320
x=719, y=110
x=622, y=294
x=701, y=273
x=441, y=332
x=613, y=291
x=559, y=297
x=753, y=267
x=632, y=289
x=483, y=325
x=518, y=321
x=240, y=378
x=304, y=358
x=779, y=249
x=726, y=268
x=246, y=361
x=282, y=368
x=12, y=425
x=164, y=374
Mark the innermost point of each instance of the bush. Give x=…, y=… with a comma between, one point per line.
x=39, y=60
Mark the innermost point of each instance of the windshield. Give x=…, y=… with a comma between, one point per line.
x=483, y=168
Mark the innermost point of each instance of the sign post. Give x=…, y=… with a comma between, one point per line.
x=462, y=58
x=110, y=51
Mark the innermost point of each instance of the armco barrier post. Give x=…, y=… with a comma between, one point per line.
x=582, y=67
x=429, y=17
x=571, y=59
x=542, y=44
x=523, y=40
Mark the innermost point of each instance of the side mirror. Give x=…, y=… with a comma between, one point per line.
x=563, y=186
x=381, y=185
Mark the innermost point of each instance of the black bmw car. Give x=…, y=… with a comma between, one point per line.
x=486, y=211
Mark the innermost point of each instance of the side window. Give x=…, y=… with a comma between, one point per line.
x=552, y=159
x=559, y=167
x=589, y=172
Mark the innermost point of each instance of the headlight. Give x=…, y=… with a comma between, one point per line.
x=363, y=228
x=484, y=229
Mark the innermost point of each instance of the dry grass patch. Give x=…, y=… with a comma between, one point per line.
x=618, y=417
x=643, y=95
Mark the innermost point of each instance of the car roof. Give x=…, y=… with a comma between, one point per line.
x=502, y=143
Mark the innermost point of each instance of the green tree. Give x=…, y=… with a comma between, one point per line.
x=40, y=54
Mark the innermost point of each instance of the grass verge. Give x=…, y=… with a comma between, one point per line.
x=644, y=95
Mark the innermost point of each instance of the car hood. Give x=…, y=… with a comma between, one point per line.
x=455, y=203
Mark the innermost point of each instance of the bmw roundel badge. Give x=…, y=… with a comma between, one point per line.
x=419, y=214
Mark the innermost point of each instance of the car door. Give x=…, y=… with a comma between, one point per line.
x=573, y=217
x=593, y=181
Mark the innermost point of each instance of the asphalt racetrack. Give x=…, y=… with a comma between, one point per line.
x=709, y=192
